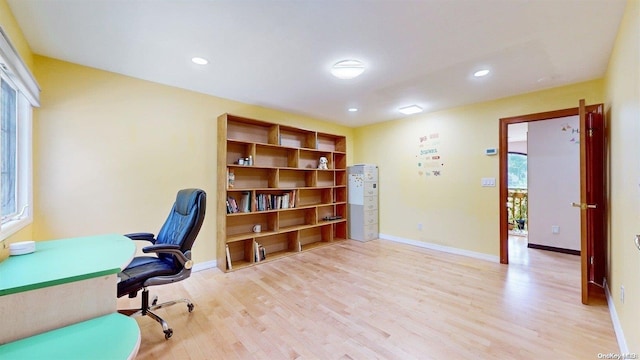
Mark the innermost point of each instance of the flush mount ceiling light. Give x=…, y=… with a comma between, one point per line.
x=481, y=73
x=347, y=69
x=200, y=61
x=411, y=109
x=352, y=109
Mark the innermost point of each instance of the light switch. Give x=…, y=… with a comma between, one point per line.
x=488, y=182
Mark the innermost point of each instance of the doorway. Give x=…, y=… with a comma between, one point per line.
x=517, y=179
x=591, y=164
x=505, y=215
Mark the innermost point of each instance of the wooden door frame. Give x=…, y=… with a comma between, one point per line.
x=503, y=150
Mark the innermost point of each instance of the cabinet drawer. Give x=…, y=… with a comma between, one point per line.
x=371, y=232
x=370, y=188
x=370, y=217
x=370, y=173
x=370, y=202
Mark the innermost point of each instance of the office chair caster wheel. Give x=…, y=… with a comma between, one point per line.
x=190, y=306
x=168, y=333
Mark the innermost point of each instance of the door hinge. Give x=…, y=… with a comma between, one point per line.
x=591, y=260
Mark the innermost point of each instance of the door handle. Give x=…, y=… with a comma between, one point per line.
x=584, y=206
x=637, y=241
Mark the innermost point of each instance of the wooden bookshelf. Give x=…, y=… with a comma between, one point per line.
x=289, y=198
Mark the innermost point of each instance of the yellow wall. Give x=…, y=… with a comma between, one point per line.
x=13, y=31
x=623, y=110
x=111, y=151
x=453, y=208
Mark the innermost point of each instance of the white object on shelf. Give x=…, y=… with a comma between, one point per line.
x=22, y=247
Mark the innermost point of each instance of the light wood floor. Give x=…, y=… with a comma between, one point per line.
x=383, y=300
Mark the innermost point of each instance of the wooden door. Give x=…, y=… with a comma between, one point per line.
x=592, y=201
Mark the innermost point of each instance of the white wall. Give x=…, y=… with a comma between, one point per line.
x=554, y=182
x=518, y=146
x=517, y=137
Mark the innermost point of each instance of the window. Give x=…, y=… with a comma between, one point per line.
x=15, y=158
x=18, y=94
x=517, y=170
x=8, y=141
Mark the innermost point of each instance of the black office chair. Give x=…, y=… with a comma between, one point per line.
x=173, y=261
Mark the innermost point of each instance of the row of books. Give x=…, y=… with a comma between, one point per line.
x=274, y=202
x=262, y=202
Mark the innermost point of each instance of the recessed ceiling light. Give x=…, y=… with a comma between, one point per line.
x=481, y=73
x=347, y=69
x=353, y=109
x=200, y=61
x=411, y=109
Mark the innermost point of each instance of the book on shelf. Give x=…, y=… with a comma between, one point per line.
x=245, y=202
x=263, y=202
x=292, y=199
x=260, y=252
x=232, y=205
x=263, y=252
x=256, y=252
x=229, y=267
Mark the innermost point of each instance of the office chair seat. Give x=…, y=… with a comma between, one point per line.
x=140, y=269
x=172, y=262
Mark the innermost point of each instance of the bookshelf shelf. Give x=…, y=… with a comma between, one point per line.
x=270, y=177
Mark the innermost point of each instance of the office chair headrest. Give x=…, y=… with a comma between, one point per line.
x=186, y=199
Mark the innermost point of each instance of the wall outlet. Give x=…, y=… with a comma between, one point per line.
x=419, y=226
x=622, y=294
x=555, y=229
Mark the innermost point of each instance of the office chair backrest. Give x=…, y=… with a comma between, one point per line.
x=184, y=220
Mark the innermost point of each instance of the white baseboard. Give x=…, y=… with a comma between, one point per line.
x=617, y=327
x=204, y=265
x=442, y=248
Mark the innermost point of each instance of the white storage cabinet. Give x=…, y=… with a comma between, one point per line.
x=363, y=202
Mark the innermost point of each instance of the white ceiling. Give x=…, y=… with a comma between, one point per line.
x=277, y=53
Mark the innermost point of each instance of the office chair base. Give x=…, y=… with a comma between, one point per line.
x=148, y=311
x=155, y=306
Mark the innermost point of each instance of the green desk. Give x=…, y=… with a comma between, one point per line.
x=112, y=336
x=63, y=282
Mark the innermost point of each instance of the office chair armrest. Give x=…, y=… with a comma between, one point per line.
x=167, y=249
x=142, y=236
x=187, y=264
